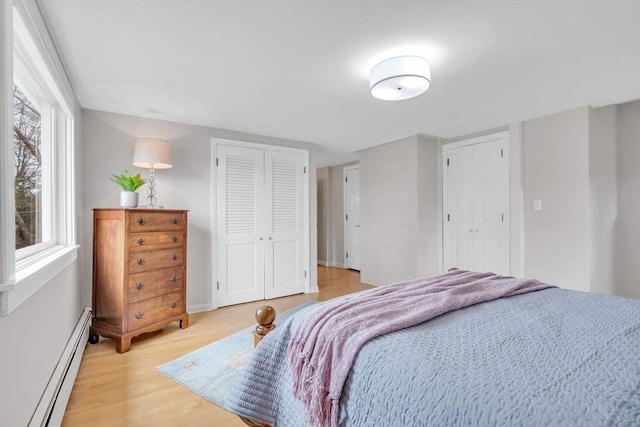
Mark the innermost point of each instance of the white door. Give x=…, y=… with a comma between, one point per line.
x=240, y=238
x=476, y=204
x=284, y=202
x=352, y=217
x=260, y=241
x=458, y=215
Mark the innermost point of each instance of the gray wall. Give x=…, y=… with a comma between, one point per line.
x=429, y=195
x=582, y=164
x=627, y=226
x=398, y=222
x=34, y=335
x=33, y=338
x=603, y=196
x=556, y=171
x=322, y=175
x=109, y=140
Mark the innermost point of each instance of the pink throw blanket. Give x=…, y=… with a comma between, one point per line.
x=325, y=345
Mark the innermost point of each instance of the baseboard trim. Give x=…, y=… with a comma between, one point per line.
x=199, y=308
x=330, y=264
x=50, y=409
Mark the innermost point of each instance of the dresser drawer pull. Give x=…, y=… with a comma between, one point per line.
x=139, y=286
x=139, y=315
x=174, y=279
x=174, y=221
x=140, y=241
x=142, y=221
x=140, y=261
x=174, y=304
x=175, y=239
x=175, y=257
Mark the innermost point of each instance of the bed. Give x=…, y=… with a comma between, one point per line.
x=550, y=356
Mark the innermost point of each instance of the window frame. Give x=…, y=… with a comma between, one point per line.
x=26, y=48
x=29, y=86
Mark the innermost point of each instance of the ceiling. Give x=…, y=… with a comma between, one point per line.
x=299, y=69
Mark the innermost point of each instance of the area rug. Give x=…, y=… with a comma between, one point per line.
x=211, y=370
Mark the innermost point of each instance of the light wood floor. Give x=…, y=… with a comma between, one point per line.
x=114, y=389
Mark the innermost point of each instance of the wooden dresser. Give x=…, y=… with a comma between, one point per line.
x=139, y=272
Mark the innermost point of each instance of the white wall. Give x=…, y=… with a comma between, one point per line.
x=627, y=226
x=109, y=140
x=398, y=223
x=556, y=171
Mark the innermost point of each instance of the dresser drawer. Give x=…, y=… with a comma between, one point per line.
x=156, y=309
x=146, y=261
x=151, y=284
x=156, y=221
x=155, y=240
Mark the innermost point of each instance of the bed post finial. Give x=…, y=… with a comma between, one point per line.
x=265, y=316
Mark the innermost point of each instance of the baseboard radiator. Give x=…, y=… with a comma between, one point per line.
x=53, y=402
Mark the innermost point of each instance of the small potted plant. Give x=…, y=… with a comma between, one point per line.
x=129, y=184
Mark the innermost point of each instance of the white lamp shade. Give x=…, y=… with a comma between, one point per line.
x=399, y=78
x=152, y=152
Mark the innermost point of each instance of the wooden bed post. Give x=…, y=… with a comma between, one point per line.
x=265, y=316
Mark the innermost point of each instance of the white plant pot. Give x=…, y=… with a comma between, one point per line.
x=128, y=199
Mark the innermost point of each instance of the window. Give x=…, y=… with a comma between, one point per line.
x=27, y=156
x=40, y=208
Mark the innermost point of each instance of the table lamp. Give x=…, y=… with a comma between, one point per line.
x=152, y=153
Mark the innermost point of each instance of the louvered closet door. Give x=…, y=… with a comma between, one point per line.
x=240, y=237
x=284, y=202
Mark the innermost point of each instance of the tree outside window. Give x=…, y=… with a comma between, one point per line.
x=27, y=144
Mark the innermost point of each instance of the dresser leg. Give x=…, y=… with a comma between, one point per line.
x=123, y=344
x=184, y=322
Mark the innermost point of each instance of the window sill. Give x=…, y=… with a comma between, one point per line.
x=34, y=276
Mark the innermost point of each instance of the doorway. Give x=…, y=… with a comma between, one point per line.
x=261, y=243
x=476, y=204
x=352, y=217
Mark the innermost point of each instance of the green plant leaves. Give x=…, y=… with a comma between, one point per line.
x=127, y=181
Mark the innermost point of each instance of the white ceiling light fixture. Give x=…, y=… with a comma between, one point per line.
x=399, y=78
